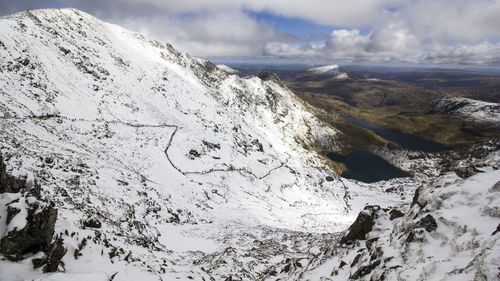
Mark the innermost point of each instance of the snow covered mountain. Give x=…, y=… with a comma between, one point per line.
x=474, y=110
x=333, y=70
x=143, y=163
x=161, y=164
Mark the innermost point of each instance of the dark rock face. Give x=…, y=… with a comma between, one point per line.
x=9, y=183
x=364, y=270
x=54, y=255
x=428, y=223
x=497, y=230
x=417, y=232
x=466, y=172
x=193, y=154
x=92, y=222
x=37, y=233
x=395, y=213
x=416, y=200
x=268, y=75
x=34, y=237
x=362, y=225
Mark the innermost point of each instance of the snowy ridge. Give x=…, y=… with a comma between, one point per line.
x=227, y=69
x=164, y=150
x=478, y=111
x=333, y=70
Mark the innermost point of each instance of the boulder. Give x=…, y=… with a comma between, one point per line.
x=417, y=200
x=428, y=223
x=395, y=213
x=417, y=232
x=35, y=236
x=364, y=270
x=55, y=253
x=92, y=222
x=362, y=225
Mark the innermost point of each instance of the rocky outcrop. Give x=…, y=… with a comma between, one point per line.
x=9, y=183
x=467, y=171
x=456, y=214
x=35, y=236
x=416, y=233
x=269, y=76
x=53, y=257
x=92, y=223
x=30, y=223
x=362, y=225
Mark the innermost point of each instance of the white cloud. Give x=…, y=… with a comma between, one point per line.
x=344, y=40
x=464, y=31
x=390, y=45
x=466, y=21
x=214, y=33
x=481, y=53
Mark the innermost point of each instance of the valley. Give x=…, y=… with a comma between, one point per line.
x=403, y=105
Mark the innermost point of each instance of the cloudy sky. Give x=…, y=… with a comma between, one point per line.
x=383, y=31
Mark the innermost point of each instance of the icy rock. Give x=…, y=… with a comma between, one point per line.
x=417, y=234
x=364, y=270
x=35, y=236
x=362, y=225
x=395, y=213
x=466, y=172
x=428, y=223
x=268, y=75
x=9, y=183
x=417, y=200
x=92, y=222
x=54, y=255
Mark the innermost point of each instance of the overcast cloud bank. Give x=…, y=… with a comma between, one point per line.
x=420, y=31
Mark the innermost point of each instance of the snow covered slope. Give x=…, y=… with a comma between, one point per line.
x=333, y=70
x=469, y=109
x=192, y=172
x=450, y=231
x=227, y=69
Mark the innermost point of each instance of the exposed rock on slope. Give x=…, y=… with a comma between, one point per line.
x=27, y=222
x=447, y=233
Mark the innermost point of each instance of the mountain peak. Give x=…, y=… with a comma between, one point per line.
x=333, y=70
x=158, y=146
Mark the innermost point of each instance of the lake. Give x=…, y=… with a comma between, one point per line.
x=367, y=167
x=405, y=140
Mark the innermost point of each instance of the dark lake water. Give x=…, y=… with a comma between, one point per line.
x=407, y=141
x=367, y=167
